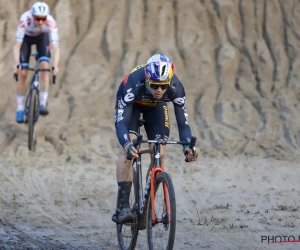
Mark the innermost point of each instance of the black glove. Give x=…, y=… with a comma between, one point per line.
x=128, y=148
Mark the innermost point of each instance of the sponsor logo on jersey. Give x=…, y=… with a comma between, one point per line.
x=129, y=96
x=172, y=85
x=28, y=20
x=150, y=103
x=139, y=84
x=123, y=103
x=22, y=25
x=167, y=124
x=120, y=115
x=179, y=100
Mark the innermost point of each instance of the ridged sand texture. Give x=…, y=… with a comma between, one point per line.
x=238, y=61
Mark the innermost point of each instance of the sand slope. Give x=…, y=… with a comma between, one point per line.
x=239, y=63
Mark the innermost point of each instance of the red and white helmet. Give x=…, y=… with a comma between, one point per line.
x=40, y=9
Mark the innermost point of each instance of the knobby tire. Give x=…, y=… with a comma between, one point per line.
x=129, y=228
x=168, y=229
x=33, y=109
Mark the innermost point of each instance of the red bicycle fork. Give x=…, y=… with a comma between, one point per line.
x=166, y=195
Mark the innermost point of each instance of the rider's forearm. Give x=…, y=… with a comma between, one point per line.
x=122, y=117
x=122, y=133
x=16, y=52
x=56, y=55
x=182, y=123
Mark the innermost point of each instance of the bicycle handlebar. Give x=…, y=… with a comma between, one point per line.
x=37, y=70
x=192, y=142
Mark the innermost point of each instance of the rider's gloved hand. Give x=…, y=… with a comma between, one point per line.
x=16, y=68
x=131, y=151
x=55, y=70
x=189, y=153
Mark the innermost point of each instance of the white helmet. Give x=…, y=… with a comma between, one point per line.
x=40, y=9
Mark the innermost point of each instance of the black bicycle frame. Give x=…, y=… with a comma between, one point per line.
x=142, y=198
x=34, y=85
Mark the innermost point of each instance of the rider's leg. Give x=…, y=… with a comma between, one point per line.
x=21, y=89
x=44, y=87
x=124, y=176
x=25, y=51
x=44, y=62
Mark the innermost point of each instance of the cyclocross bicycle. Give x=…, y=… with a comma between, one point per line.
x=155, y=206
x=32, y=102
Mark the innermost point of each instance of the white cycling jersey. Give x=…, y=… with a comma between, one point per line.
x=27, y=27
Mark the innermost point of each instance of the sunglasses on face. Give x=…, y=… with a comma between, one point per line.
x=40, y=19
x=156, y=86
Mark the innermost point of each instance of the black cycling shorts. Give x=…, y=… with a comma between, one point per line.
x=42, y=43
x=156, y=120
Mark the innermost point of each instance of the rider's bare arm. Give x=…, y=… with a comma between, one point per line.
x=16, y=51
x=56, y=55
x=19, y=39
x=54, y=40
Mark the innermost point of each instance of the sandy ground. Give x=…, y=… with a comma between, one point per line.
x=239, y=64
x=221, y=204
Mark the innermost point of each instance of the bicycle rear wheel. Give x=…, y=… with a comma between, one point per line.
x=32, y=117
x=161, y=232
x=128, y=233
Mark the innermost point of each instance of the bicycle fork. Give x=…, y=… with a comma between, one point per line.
x=149, y=192
x=34, y=86
x=157, y=169
x=166, y=196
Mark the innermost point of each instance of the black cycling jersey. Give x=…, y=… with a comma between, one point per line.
x=132, y=95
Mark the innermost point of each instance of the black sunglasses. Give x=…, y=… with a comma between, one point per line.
x=156, y=86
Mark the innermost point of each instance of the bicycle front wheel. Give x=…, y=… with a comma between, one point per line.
x=161, y=231
x=32, y=115
x=128, y=233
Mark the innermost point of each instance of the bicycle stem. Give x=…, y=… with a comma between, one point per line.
x=156, y=153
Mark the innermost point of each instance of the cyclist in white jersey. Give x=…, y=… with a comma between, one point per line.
x=37, y=27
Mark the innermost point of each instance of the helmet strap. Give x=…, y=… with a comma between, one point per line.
x=147, y=86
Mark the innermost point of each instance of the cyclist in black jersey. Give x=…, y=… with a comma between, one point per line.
x=146, y=90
